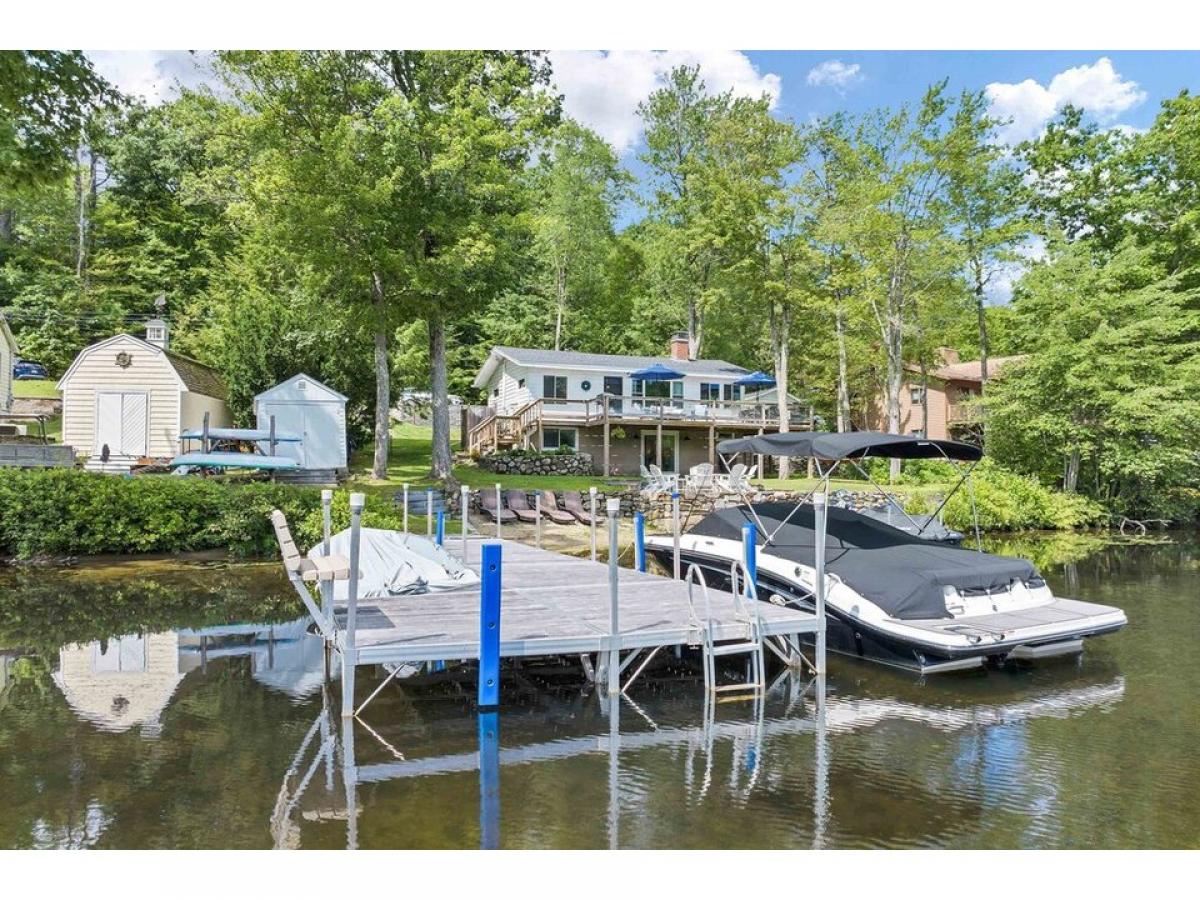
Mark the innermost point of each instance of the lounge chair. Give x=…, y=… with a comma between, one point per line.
x=573, y=503
x=551, y=511
x=519, y=504
x=663, y=482
x=487, y=499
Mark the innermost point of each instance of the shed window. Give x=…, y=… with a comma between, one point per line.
x=554, y=387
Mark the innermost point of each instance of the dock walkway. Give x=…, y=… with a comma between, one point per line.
x=551, y=604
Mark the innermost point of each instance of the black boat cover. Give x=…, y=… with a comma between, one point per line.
x=901, y=574
x=850, y=445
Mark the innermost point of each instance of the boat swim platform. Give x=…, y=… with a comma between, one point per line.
x=551, y=604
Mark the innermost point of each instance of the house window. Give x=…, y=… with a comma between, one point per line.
x=710, y=391
x=557, y=438
x=495, y=392
x=733, y=392
x=554, y=387
x=918, y=432
x=658, y=389
x=916, y=395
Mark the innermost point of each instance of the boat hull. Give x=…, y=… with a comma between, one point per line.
x=852, y=636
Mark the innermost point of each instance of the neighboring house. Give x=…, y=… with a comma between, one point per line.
x=302, y=405
x=548, y=399
x=135, y=397
x=942, y=408
x=8, y=356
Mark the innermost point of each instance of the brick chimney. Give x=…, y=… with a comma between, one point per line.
x=949, y=355
x=680, y=346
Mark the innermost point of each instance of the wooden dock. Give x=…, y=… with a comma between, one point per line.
x=551, y=604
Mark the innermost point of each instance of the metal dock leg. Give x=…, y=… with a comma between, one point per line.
x=614, y=615
x=406, y=507
x=821, y=513
x=466, y=500
x=349, y=653
x=592, y=510
x=499, y=509
x=489, y=625
x=326, y=585
x=429, y=513
x=675, y=530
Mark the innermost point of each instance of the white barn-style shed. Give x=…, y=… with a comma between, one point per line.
x=135, y=397
x=304, y=406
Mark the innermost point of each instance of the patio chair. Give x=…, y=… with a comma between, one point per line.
x=487, y=499
x=519, y=504
x=573, y=503
x=663, y=482
x=736, y=481
x=551, y=511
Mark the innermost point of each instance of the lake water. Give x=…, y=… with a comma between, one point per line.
x=130, y=718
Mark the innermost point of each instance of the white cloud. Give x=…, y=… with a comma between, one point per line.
x=153, y=75
x=603, y=89
x=834, y=73
x=1097, y=89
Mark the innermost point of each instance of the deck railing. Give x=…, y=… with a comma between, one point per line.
x=505, y=430
x=630, y=408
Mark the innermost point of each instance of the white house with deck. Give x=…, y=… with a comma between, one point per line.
x=134, y=396
x=595, y=403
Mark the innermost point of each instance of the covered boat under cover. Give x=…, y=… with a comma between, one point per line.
x=851, y=445
x=392, y=563
x=901, y=574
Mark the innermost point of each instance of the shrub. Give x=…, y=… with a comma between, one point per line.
x=66, y=512
x=1007, y=501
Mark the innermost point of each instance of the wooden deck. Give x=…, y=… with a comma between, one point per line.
x=551, y=604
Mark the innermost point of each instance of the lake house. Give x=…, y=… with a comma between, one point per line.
x=620, y=409
x=942, y=404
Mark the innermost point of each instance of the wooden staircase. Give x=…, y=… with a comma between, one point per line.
x=498, y=432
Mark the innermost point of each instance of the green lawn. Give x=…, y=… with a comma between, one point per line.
x=35, y=389
x=409, y=462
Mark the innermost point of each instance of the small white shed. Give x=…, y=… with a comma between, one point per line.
x=8, y=356
x=302, y=405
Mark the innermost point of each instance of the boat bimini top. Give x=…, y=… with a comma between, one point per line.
x=830, y=449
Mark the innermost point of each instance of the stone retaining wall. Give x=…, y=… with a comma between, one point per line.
x=537, y=463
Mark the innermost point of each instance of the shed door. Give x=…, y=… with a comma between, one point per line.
x=121, y=422
x=319, y=426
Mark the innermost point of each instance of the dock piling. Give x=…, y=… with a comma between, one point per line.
x=614, y=615
x=537, y=519
x=675, y=530
x=639, y=540
x=429, y=512
x=489, y=781
x=499, y=507
x=327, y=529
x=440, y=538
x=750, y=552
x=349, y=657
x=406, y=507
x=466, y=505
x=489, y=625
x=821, y=513
x=592, y=510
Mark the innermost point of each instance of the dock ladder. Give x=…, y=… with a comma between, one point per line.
x=749, y=643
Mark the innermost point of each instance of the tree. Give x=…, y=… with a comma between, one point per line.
x=984, y=203
x=579, y=185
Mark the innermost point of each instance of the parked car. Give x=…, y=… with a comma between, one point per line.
x=25, y=369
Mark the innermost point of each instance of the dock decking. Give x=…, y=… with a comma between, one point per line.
x=551, y=604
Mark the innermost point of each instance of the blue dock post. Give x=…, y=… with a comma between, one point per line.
x=639, y=540
x=750, y=553
x=489, y=781
x=489, y=626
x=441, y=527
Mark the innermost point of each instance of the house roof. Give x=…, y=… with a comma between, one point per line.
x=197, y=376
x=972, y=371
x=283, y=385
x=570, y=359
x=193, y=376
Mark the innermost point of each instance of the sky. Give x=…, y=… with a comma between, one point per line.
x=602, y=89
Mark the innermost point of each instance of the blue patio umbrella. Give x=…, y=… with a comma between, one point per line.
x=656, y=372
x=756, y=380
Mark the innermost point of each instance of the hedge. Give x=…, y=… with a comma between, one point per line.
x=67, y=512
